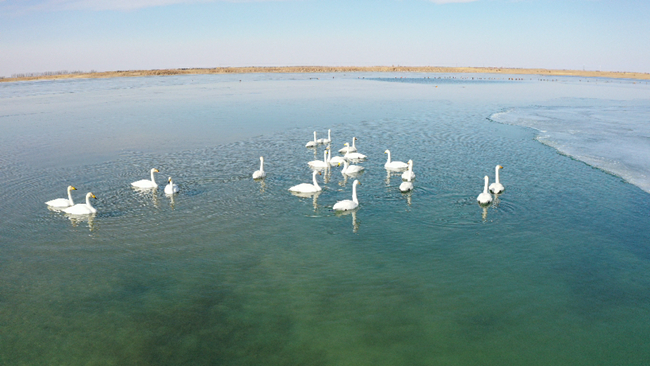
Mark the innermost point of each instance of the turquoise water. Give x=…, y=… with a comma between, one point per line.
x=235, y=271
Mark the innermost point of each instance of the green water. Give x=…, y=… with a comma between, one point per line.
x=235, y=272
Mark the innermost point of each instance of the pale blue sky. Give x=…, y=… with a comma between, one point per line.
x=51, y=35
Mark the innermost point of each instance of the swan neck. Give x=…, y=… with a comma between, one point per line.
x=329, y=135
x=70, y=196
x=353, y=140
x=496, y=175
x=315, y=136
x=354, y=194
x=88, y=201
x=388, y=152
x=153, y=179
x=262, y=164
x=485, y=187
x=315, y=182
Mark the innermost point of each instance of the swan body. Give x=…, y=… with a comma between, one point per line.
x=146, y=183
x=351, y=169
x=354, y=156
x=327, y=140
x=484, y=198
x=82, y=208
x=394, y=165
x=312, y=143
x=349, y=148
x=306, y=187
x=406, y=186
x=320, y=164
x=335, y=160
x=497, y=187
x=409, y=175
x=62, y=202
x=259, y=174
x=171, y=188
x=347, y=205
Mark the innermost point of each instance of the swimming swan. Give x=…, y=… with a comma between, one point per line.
x=259, y=174
x=409, y=175
x=349, y=148
x=351, y=169
x=347, y=205
x=484, y=198
x=82, y=208
x=406, y=186
x=171, y=188
x=497, y=187
x=320, y=164
x=62, y=202
x=354, y=156
x=312, y=143
x=146, y=183
x=334, y=160
x=306, y=187
x=327, y=140
x=394, y=165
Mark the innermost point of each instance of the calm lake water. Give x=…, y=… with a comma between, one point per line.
x=233, y=271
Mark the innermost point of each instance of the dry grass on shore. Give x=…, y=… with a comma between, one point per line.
x=327, y=69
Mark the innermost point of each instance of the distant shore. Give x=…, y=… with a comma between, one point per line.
x=328, y=69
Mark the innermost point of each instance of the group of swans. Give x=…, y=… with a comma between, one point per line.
x=485, y=198
x=318, y=141
x=67, y=204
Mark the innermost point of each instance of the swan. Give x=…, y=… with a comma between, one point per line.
x=312, y=143
x=327, y=140
x=259, y=174
x=484, y=198
x=497, y=187
x=171, y=188
x=354, y=156
x=306, y=187
x=320, y=164
x=337, y=160
x=409, y=175
x=351, y=169
x=146, y=183
x=82, y=208
x=349, y=148
x=394, y=165
x=406, y=186
x=62, y=202
x=347, y=205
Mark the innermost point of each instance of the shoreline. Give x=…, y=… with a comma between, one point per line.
x=333, y=69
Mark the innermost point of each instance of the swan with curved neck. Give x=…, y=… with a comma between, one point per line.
x=62, y=202
x=406, y=186
x=409, y=175
x=484, y=198
x=146, y=183
x=320, y=164
x=394, y=165
x=347, y=205
x=306, y=187
x=171, y=188
x=82, y=208
x=349, y=148
x=312, y=143
x=497, y=187
x=259, y=174
x=350, y=169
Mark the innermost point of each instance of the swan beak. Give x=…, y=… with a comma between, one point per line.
x=500, y=167
x=156, y=170
x=93, y=196
x=73, y=188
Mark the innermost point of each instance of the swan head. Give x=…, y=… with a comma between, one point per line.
x=499, y=167
x=261, y=158
x=346, y=144
x=386, y=152
x=154, y=170
x=90, y=194
x=356, y=182
x=169, y=179
x=71, y=188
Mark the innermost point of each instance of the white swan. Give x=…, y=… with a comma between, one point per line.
x=484, y=198
x=320, y=164
x=62, y=202
x=334, y=160
x=82, y=208
x=497, y=187
x=312, y=143
x=259, y=174
x=351, y=169
x=146, y=183
x=327, y=140
x=406, y=186
x=347, y=205
x=394, y=165
x=349, y=148
x=306, y=187
x=171, y=188
x=409, y=175
x=354, y=156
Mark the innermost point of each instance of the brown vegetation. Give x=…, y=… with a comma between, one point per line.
x=325, y=69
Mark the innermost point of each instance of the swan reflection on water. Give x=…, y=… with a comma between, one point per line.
x=353, y=213
x=314, y=195
x=262, y=185
x=172, y=200
x=75, y=220
x=145, y=192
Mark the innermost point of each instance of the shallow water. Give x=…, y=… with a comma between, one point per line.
x=235, y=271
